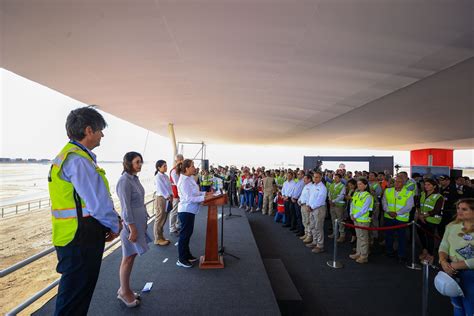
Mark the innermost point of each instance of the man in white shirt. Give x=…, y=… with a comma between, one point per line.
x=174, y=177
x=305, y=212
x=299, y=185
x=164, y=196
x=317, y=205
x=286, y=192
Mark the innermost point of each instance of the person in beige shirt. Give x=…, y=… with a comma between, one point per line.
x=268, y=191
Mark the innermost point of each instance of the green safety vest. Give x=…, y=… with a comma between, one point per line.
x=280, y=180
x=410, y=185
x=358, y=201
x=396, y=204
x=61, y=192
x=239, y=182
x=334, y=191
x=373, y=188
x=206, y=180
x=427, y=204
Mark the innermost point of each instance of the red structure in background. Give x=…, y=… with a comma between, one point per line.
x=432, y=157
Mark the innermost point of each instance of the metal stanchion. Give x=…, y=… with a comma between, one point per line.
x=334, y=263
x=425, y=284
x=413, y=265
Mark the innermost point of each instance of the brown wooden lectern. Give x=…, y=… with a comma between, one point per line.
x=211, y=258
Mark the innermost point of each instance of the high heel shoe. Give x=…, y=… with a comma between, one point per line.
x=135, y=302
x=137, y=296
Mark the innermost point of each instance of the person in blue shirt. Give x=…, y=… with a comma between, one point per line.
x=79, y=261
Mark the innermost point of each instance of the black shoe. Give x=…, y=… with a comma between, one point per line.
x=184, y=264
x=285, y=225
x=292, y=229
x=299, y=234
x=192, y=259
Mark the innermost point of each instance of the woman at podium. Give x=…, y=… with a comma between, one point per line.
x=189, y=203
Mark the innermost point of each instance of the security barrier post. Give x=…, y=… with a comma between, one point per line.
x=425, y=284
x=413, y=265
x=334, y=263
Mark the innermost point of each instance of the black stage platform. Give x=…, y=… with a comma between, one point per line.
x=241, y=288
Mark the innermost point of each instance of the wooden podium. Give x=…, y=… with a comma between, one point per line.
x=211, y=258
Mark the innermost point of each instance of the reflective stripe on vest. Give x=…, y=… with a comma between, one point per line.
x=358, y=201
x=69, y=213
x=395, y=204
x=428, y=204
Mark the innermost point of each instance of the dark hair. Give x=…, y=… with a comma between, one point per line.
x=364, y=181
x=318, y=172
x=78, y=120
x=309, y=177
x=353, y=182
x=433, y=183
x=158, y=165
x=338, y=175
x=127, y=161
x=374, y=173
x=182, y=166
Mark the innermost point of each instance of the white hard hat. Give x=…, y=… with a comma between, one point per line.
x=446, y=285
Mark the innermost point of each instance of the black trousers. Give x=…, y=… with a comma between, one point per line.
x=187, y=228
x=426, y=240
x=79, y=266
x=293, y=221
x=299, y=218
x=288, y=206
x=448, y=217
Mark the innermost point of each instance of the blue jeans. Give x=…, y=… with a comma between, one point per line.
x=401, y=232
x=79, y=266
x=249, y=198
x=242, y=199
x=464, y=306
x=260, y=200
x=187, y=228
x=280, y=217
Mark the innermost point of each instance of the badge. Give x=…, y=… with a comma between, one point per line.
x=467, y=237
x=466, y=252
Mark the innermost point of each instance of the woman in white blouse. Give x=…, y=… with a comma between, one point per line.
x=190, y=198
x=163, y=197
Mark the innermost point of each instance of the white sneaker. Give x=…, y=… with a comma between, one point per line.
x=185, y=264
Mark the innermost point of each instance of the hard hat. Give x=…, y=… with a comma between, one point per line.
x=447, y=286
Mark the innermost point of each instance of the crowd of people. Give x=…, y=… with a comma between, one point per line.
x=84, y=218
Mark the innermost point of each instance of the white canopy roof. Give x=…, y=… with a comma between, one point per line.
x=370, y=74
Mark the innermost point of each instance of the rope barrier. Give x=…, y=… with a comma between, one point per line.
x=377, y=228
x=428, y=232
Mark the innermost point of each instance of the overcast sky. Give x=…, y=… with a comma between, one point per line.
x=32, y=126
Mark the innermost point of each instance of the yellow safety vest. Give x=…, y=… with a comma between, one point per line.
x=358, y=201
x=61, y=192
x=428, y=204
x=334, y=191
x=396, y=204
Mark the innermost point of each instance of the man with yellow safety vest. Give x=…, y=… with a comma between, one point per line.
x=397, y=203
x=206, y=180
x=336, y=194
x=376, y=191
x=83, y=215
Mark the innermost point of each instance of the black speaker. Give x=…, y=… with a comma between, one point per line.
x=454, y=173
x=205, y=165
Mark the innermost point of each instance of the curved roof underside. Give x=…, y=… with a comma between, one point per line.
x=372, y=74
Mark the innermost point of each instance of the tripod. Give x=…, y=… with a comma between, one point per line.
x=222, y=251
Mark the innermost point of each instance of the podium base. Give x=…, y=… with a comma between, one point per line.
x=215, y=264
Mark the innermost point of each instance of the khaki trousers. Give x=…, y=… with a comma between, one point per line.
x=337, y=212
x=160, y=220
x=317, y=225
x=305, y=216
x=174, y=221
x=362, y=240
x=267, y=203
